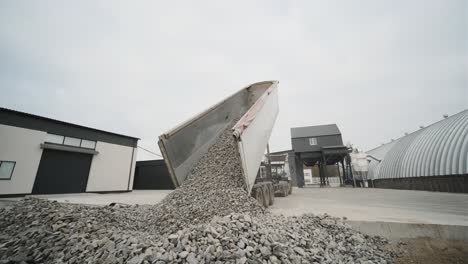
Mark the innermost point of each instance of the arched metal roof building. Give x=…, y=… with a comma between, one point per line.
x=440, y=149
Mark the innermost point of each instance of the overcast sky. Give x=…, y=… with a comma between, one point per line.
x=375, y=68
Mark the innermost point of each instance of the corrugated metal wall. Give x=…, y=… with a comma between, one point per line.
x=378, y=153
x=437, y=150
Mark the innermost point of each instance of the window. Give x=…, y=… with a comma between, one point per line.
x=71, y=141
x=52, y=138
x=88, y=144
x=6, y=169
x=312, y=141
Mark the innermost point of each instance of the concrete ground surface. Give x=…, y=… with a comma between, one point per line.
x=357, y=204
x=134, y=197
x=426, y=222
x=383, y=205
x=394, y=214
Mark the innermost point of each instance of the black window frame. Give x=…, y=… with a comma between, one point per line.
x=81, y=141
x=12, y=171
x=95, y=143
x=313, y=139
x=65, y=138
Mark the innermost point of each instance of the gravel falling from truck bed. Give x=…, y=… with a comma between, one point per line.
x=215, y=186
x=209, y=219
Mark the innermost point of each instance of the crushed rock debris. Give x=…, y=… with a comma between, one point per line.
x=214, y=187
x=209, y=219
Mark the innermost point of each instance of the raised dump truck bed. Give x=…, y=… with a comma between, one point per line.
x=256, y=107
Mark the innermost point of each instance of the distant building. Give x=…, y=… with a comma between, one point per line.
x=280, y=165
x=318, y=145
x=152, y=175
x=39, y=155
x=433, y=158
x=312, y=175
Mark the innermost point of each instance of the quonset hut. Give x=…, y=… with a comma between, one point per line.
x=434, y=158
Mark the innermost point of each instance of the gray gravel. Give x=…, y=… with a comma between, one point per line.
x=214, y=187
x=209, y=219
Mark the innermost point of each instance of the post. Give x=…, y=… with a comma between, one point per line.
x=324, y=166
x=352, y=175
x=321, y=173
x=268, y=163
x=344, y=171
x=299, y=170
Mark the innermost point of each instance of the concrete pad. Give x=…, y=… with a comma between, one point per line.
x=392, y=230
x=394, y=214
x=378, y=205
x=141, y=197
x=357, y=204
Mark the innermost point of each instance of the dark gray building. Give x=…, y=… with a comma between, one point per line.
x=313, y=138
x=152, y=175
x=318, y=145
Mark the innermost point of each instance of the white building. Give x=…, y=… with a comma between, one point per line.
x=308, y=176
x=39, y=155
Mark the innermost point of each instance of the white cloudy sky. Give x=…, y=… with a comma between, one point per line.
x=376, y=68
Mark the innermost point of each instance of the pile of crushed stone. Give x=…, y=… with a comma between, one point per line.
x=214, y=187
x=209, y=219
x=38, y=231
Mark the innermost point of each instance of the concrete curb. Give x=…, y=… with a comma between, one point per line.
x=394, y=230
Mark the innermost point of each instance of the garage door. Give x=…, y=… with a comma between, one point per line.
x=62, y=172
x=152, y=175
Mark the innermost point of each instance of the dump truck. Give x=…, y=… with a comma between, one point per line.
x=256, y=108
